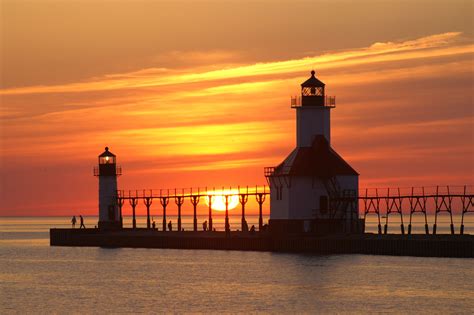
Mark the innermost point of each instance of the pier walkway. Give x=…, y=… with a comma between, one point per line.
x=373, y=244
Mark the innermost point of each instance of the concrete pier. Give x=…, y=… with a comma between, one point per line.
x=371, y=244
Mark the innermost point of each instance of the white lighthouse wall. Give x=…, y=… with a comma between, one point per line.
x=312, y=121
x=304, y=197
x=279, y=207
x=107, y=192
x=301, y=200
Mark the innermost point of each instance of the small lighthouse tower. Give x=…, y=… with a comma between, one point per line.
x=313, y=190
x=107, y=172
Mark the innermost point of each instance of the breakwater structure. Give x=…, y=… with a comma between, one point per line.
x=381, y=203
x=316, y=205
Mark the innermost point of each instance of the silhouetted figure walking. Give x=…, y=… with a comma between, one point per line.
x=204, y=226
x=82, y=222
x=153, y=225
x=73, y=222
x=170, y=226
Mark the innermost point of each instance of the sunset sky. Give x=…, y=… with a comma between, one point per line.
x=197, y=93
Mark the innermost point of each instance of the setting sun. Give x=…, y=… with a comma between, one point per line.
x=218, y=199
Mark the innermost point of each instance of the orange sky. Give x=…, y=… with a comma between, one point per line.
x=200, y=96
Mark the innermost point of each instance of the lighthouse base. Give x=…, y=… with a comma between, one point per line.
x=110, y=225
x=316, y=226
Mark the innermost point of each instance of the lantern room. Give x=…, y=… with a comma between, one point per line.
x=107, y=157
x=107, y=164
x=312, y=92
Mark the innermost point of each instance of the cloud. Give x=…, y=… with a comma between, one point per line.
x=404, y=112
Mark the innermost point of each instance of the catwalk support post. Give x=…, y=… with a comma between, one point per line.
x=133, y=202
x=195, y=202
x=210, y=211
x=260, y=199
x=148, y=201
x=164, y=202
x=372, y=204
x=227, y=225
x=179, y=200
x=243, y=198
x=393, y=204
x=467, y=202
x=120, y=202
x=418, y=204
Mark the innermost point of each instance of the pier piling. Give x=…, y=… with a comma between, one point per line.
x=260, y=199
x=195, y=202
x=227, y=225
x=243, y=198
x=164, y=202
x=133, y=203
x=148, y=201
x=210, y=212
x=179, y=200
x=120, y=202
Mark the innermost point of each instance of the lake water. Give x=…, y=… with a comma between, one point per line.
x=37, y=278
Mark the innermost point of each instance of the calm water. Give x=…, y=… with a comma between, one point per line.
x=37, y=278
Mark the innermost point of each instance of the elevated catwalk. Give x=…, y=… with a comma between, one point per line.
x=384, y=203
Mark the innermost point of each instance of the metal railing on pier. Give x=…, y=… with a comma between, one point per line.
x=382, y=202
x=213, y=197
x=401, y=201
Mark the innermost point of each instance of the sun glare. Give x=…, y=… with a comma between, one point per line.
x=218, y=199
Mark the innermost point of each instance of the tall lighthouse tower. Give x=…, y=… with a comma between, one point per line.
x=313, y=190
x=107, y=172
x=313, y=112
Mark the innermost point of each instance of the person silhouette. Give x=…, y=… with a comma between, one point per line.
x=153, y=225
x=82, y=222
x=170, y=226
x=73, y=221
x=245, y=227
x=252, y=229
x=227, y=227
x=204, y=226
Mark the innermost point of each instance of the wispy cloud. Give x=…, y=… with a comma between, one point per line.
x=430, y=46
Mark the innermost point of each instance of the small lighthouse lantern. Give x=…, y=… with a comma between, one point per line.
x=107, y=171
x=107, y=164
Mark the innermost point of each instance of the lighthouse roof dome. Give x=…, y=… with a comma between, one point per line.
x=319, y=160
x=107, y=153
x=312, y=81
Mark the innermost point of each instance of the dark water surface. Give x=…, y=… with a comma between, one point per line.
x=37, y=278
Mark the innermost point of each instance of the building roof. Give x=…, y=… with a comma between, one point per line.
x=312, y=81
x=107, y=153
x=319, y=160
